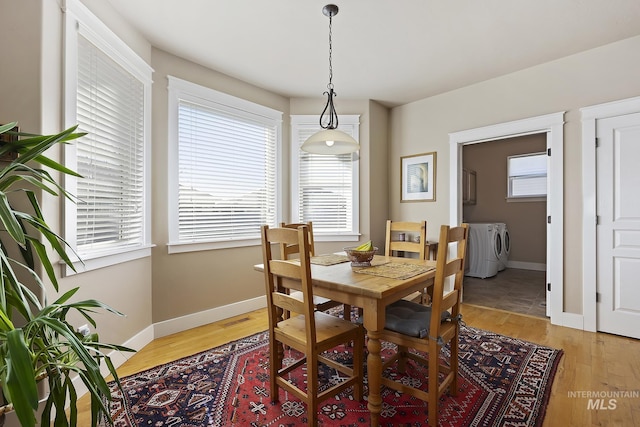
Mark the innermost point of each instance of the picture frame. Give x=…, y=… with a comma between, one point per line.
x=418, y=178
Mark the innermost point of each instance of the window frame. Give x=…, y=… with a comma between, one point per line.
x=182, y=89
x=349, y=124
x=511, y=178
x=78, y=20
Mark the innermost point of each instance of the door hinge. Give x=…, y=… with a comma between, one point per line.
x=597, y=142
x=548, y=151
x=597, y=219
x=597, y=296
x=549, y=219
x=549, y=286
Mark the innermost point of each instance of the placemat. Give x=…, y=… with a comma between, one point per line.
x=329, y=259
x=395, y=270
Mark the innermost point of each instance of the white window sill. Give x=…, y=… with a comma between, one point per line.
x=84, y=265
x=526, y=199
x=178, y=248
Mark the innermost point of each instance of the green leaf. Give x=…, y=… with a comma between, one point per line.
x=97, y=402
x=75, y=345
x=36, y=145
x=41, y=250
x=5, y=322
x=46, y=411
x=45, y=161
x=47, y=344
x=59, y=396
x=9, y=220
x=21, y=384
x=7, y=127
x=73, y=399
x=15, y=289
x=65, y=297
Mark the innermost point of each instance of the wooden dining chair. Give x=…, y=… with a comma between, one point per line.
x=289, y=250
x=428, y=329
x=394, y=246
x=310, y=332
x=411, y=230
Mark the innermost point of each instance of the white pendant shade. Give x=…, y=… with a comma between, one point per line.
x=330, y=141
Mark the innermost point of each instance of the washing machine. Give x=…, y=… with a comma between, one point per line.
x=484, y=248
x=506, y=245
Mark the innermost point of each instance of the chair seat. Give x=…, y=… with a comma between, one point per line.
x=410, y=318
x=328, y=328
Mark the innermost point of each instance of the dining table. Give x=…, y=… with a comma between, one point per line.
x=372, y=288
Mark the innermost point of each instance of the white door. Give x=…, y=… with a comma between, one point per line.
x=618, y=230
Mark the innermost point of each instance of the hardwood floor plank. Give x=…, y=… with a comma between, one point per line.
x=592, y=362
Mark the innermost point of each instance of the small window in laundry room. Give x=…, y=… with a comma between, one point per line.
x=527, y=176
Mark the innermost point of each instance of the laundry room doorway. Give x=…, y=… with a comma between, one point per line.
x=507, y=270
x=549, y=129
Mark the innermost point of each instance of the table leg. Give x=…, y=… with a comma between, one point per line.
x=374, y=373
x=432, y=248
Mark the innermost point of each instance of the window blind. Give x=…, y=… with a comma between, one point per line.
x=527, y=175
x=325, y=191
x=110, y=108
x=227, y=173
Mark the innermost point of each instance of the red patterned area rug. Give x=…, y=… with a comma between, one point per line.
x=504, y=381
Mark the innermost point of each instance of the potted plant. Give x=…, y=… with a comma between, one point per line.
x=37, y=341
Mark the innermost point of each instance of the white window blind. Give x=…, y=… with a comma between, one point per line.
x=110, y=108
x=325, y=187
x=527, y=175
x=226, y=177
x=108, y=95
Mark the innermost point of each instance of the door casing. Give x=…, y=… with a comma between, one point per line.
x=590, y=117
x=552, y=125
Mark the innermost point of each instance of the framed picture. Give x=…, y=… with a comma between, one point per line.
x=418, y=178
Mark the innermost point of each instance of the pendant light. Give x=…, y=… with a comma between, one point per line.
x=330, y=140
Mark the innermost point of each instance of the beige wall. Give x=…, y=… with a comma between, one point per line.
x=604, y=74
x=189, y=283
x=30, y=83
x=526, y=220
x=211, y=279
x=192, y=282
x=20, y=72
x=183, y=284
x=378, y=209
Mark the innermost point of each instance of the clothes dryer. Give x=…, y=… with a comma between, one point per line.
x=506, y=245
x=484, y=244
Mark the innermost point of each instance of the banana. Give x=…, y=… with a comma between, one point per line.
x=365, y=246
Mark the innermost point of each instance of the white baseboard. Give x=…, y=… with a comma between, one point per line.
x=522, y=265
x=194, y=320
x=136, y=342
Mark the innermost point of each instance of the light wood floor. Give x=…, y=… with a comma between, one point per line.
x=592, y=362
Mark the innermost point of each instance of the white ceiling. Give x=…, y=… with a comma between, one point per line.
x=390, y=51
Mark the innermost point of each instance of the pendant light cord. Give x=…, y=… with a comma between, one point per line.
x=330, y=85
x=332, y=122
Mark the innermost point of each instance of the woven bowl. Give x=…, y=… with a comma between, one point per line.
x=360, y=258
